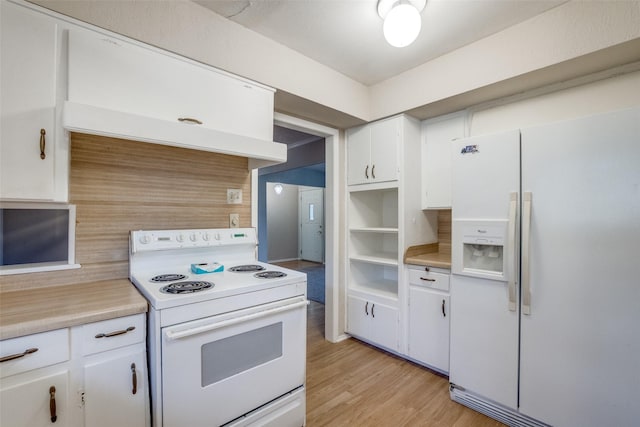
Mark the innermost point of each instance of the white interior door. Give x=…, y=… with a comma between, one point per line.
x=311, y=211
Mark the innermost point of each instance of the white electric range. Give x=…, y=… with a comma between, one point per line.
x=225, y=347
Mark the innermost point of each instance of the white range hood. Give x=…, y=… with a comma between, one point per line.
x=93, y=120
x=122, y=88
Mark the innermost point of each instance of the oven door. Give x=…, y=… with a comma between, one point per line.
x=219, y=368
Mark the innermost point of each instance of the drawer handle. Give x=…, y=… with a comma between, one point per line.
x=372, y=307
x=42, y=143
x=115, y=333
x=18, y=355
x=134, y=378
x=52, y=404
x=366, y=310
x=427, y=279
x=189, y=120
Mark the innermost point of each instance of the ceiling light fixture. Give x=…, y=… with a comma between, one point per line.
x=278, y=188
x=402, y=21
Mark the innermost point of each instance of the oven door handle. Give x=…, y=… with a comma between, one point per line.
x=175, y=335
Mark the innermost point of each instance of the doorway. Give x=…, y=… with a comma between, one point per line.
x=334, y=294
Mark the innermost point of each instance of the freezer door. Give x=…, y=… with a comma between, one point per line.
x=580, y=342
x=484, y=318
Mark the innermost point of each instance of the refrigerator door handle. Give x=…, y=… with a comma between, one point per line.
x=526, y=237
x=513, y=206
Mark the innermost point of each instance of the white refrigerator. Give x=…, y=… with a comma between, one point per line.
x=545, y=286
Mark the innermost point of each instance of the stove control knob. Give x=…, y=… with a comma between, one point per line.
x=217, y=236
x=193, y=237
x=145, y=239
x=206, y=237
x=180, y=237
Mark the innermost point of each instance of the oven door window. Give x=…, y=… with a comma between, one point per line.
x=238, y=353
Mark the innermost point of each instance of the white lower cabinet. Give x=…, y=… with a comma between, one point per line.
x=429, y=315
x=41, y=398
x=115, y=389
x=373, y=322
x=92, y=375
x=115, y=374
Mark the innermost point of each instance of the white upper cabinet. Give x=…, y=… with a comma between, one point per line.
x=125, y=89
x=372, y=152
x=132, y=78
x=437, y=135
x=28, y=104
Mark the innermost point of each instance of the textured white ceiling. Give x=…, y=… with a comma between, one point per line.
x=346, y=35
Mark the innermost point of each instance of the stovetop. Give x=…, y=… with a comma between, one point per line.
x=224, y=283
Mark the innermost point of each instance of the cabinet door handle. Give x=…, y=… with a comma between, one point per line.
x=372, y=307
x=52, y=404
x=427, y=279
x=189, y=120
x=366, y=172
x=134, y=378
x=115, y=333
x=43, y=143
x=444, y=314
x=18, y=355
x=366, y=308
x=373, y=171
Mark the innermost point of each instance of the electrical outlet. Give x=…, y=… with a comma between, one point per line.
x=234, y=220
x=234, y=196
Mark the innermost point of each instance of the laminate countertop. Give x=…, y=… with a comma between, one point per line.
x=427, y=255
x=29, y=311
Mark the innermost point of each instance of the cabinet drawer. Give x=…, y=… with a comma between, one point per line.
x=113, y=333
x=430, y=279
x=50, y=348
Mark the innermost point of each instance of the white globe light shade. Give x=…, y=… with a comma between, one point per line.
x=402, y=25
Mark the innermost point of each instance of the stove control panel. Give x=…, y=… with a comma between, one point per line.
x=155, y=240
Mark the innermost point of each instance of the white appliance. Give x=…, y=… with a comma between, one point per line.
x=545, y=287
x=225, y=347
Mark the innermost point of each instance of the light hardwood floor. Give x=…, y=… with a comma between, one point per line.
x=353, y=384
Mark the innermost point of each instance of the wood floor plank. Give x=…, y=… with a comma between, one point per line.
x=351, y=383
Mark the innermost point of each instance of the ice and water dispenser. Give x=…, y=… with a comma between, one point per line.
x=479, y=248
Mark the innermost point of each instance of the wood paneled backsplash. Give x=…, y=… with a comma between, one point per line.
x=119, y=185
x=444, y=231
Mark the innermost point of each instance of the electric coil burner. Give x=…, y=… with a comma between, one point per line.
x=248, y=268
x=186, y=287
x=168, y=278
x=270, y=275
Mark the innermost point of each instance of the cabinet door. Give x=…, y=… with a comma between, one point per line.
x=384, y=325
x=429, y=327
x=358, y=317
x=29, y=403
x=385, y=141
x=436, y=159
x=109, y=389
x=358, y=155
x=27, y=104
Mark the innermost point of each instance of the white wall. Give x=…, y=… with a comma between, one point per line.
x=568, y=31
x=282, y=223
x=573, y=30
x=610, y=94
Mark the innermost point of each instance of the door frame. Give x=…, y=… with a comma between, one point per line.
x=334, y=294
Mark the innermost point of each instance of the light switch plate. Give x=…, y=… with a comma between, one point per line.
x=234, y=196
